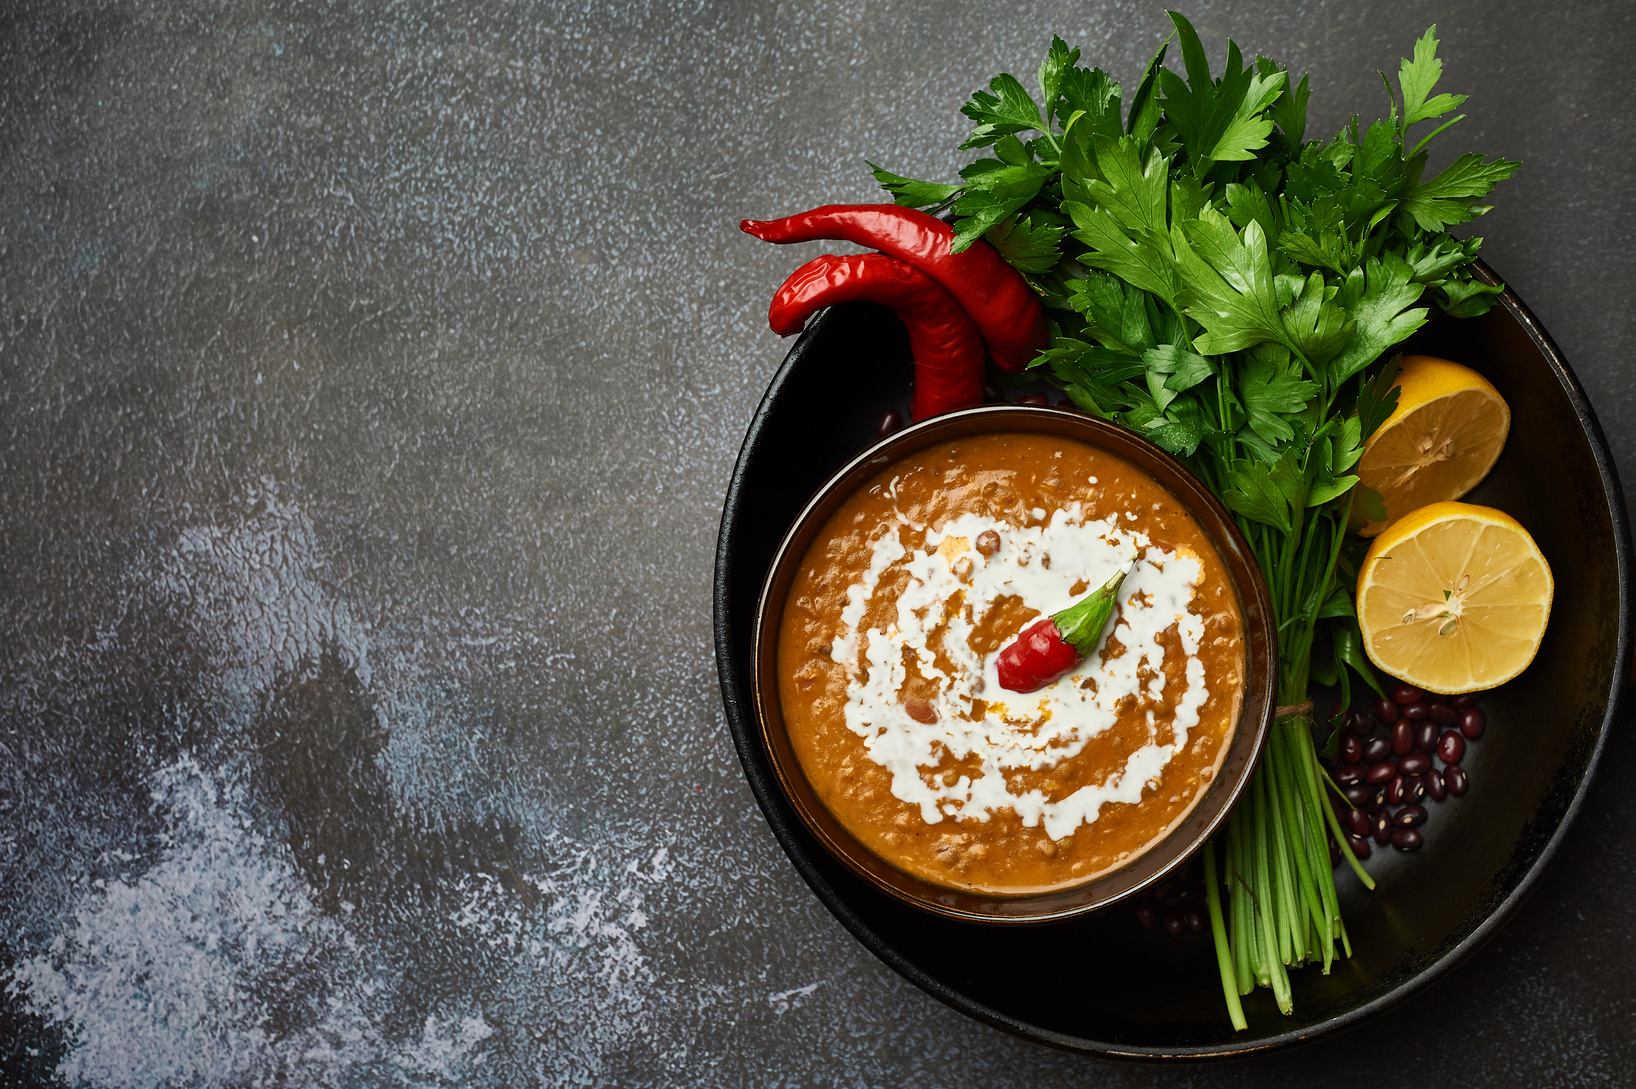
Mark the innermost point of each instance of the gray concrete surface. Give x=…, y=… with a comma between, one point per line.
x=370, y=375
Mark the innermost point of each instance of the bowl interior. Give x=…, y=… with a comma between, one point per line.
x=1109, y=986
x=1242, y=750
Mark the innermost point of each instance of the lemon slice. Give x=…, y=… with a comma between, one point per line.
x=1444, y=436
x=1454, y=598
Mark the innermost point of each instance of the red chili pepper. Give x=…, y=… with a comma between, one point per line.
x=1052, y=645
x=947, y=348
x=996, y=296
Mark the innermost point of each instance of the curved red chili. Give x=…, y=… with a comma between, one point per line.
x=1052, y=645
x=996, y=296
x=947, y=348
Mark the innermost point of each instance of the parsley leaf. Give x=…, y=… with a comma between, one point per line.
x=911, y=193
x=1416, y=78
x=1228, y=284
x=1005, y=108
x=1266, y=493
x=1379, y=297
x=1451, y=197
x=1271, y=387
x=1030, y=247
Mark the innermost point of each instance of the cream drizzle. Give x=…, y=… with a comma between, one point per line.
x=1041, y=563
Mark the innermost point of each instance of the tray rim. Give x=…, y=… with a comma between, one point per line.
x=745, y=734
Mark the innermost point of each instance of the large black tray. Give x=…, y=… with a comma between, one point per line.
x=1100, y=983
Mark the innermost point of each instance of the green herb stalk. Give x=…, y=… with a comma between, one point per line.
x=1232, y=291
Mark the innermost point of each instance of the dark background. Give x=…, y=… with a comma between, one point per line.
x=370, y=376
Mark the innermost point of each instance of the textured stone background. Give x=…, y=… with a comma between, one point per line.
x=370, y=376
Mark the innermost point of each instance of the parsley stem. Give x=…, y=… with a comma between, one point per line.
x=1218, y=931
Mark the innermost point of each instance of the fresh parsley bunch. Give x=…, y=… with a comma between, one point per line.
x=1232, y=291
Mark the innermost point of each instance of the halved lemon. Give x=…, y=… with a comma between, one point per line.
x=1454, y=598
x=1442, y=439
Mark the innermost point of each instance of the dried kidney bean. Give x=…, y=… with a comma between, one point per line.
x=1425, y=737
x=1358, y=822
x=1386, y=710
x=1409, y=816
x=1403, y=738
x=1356, y=793
x=1406, y=839
x=1451, y=747
x=1414, y=788
x=1408, y=694
x=1394, y=790
x=1351, y=749
x=1464, y=700
x=1472, y=723
x=1383, y=827
x=1454, y=779
x=1376, y=749
x=1443, y=714
x=1434, y=785
x=1416, y=763
x=1359, y=845
x=1348, y=774
x=1380, y=773
x=1415, y=712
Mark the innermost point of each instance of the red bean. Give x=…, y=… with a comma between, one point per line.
x=1433, y=697
x=1472, y=723
x=1147, y=916
x=1414, y=788
x=1351, y=749
x=1348, y=774
x=1377, y=800
x=1454, y=778
x=1408, y=694
x=1383, y=827
x=1394, y=791
x=1334, y=852
x=1196, y=921
x=1376, y=749
x=1386, y=711
x=1416, y=763
x=1358, y=821
x=1175, y=924
x=1464, y=700
x=1415, y=712
x=1381, y=772
x=1360, y=847
x=1356, y=793
x=1434, y=785
x=1033, y=399
x=1425, y=737
x=1406, y=839
x=1409, y=816
x=1362, y=723
x=1403, y=738
x=888, y=423
x=1443, y=714
x=1451, y=747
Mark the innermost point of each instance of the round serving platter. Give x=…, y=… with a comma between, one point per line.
x=1100, y=983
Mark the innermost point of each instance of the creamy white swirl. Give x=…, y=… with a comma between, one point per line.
x=951, y=586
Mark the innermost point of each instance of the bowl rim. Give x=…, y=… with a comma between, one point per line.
x=729, y=675
x=1191, y=831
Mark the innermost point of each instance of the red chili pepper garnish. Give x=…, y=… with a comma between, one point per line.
x=996, y=296
x=1052, y=645
x=947, y=349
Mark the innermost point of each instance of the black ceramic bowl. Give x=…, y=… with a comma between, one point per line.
x=1099, y=982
